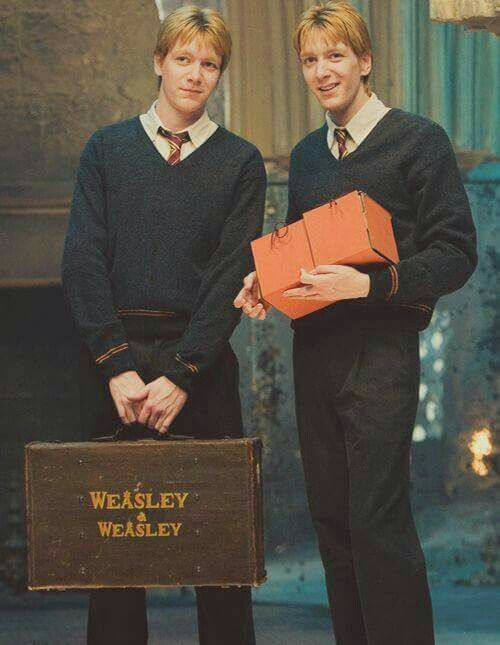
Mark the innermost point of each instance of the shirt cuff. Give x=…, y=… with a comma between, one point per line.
x=384, y=284
x=115, y=360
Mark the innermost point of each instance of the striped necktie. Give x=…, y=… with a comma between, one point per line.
x=175, y=141
x=341, y=135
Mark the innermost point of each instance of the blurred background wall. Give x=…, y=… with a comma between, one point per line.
x=71, y=67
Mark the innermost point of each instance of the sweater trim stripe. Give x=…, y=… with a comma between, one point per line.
x=394, y=281
x=416, y=305
x=191, y=366
x=146, y=312
x=111, y=352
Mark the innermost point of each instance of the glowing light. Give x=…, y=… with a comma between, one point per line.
x=437, y=340
x=422, y=391
x=430, y=411
x=419, y=434
x=481, y=445
x=438, y=365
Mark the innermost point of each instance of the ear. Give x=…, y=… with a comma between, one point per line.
x=157, y=61
x=366, y=64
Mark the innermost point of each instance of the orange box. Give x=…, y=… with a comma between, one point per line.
x=352, y=230
x=279, y=256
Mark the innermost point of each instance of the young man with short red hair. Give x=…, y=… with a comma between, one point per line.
x=356, y=363
x=164, y=209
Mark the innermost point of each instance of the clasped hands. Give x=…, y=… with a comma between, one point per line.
x=154, y=405
x=330, y=282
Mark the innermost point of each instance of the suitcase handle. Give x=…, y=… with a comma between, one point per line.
x=166, y=437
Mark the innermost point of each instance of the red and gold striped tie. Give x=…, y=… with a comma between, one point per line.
x=175, y=141
x=341, y=135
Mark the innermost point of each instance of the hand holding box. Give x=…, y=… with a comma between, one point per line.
x=352, y=230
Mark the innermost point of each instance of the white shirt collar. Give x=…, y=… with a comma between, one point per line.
x=197, y=131
x=364, y=119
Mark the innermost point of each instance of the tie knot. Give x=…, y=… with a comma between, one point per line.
x=341, y=135
x=175, y=137
x=175, y=141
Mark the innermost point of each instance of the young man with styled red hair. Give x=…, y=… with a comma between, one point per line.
x=164, y=208
x=356, y=364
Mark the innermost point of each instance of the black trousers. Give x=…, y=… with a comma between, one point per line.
x=356, y=398
x=211, y=411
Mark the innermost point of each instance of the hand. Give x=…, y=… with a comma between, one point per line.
x=331, y=282
x=248, y=298
x=122, y=387
x=163, y=402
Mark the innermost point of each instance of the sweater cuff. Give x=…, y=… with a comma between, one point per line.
x=181, y=372
x=116, y=360
x=384, y=284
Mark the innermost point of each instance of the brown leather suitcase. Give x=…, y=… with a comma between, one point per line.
x=144, y=513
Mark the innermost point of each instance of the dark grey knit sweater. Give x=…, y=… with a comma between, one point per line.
x=407, y=165
x=149, y=238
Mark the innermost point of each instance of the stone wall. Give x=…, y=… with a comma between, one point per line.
x=68, y=68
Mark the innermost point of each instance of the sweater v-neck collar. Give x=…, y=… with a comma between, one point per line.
x=149, y=145
x=364, y=144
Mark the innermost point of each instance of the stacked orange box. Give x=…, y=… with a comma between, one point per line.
x=352, y=230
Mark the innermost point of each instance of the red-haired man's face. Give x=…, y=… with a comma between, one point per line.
x=334, y=74
x=190, y=73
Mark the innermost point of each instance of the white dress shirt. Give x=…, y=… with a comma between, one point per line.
x=358, y=128
x=199, y=132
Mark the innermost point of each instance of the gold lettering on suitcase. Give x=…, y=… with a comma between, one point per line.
x=166, y=500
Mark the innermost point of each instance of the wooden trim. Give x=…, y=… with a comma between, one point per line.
x=24, y=283
x=29, y=206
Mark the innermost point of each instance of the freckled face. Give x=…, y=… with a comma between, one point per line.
x=190, y=73
x=334, y=74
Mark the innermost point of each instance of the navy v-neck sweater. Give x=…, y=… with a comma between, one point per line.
x=406, y=164
x=147, y=238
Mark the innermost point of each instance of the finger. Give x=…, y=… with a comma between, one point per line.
x=299, y=291
x=137, y=407
x=138, y=396
x=315, y=296
x=129, y=411
x=252, y=312
x=327, y=268
x=168, y=421
x=172, y=414
x=249, y=308
x=256, y=311
x=124, y=412
x=145, y=414
x=162, y=419
x=241, y=298
x=153, y=418
x=120, y=409
x=311, y=296
x=262, y=315
x=306, y=277
x=249, y=280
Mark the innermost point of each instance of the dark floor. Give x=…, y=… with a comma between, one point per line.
x=464, y=616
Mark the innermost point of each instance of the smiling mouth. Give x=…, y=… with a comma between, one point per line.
x=185, y=89
x=328, y=88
